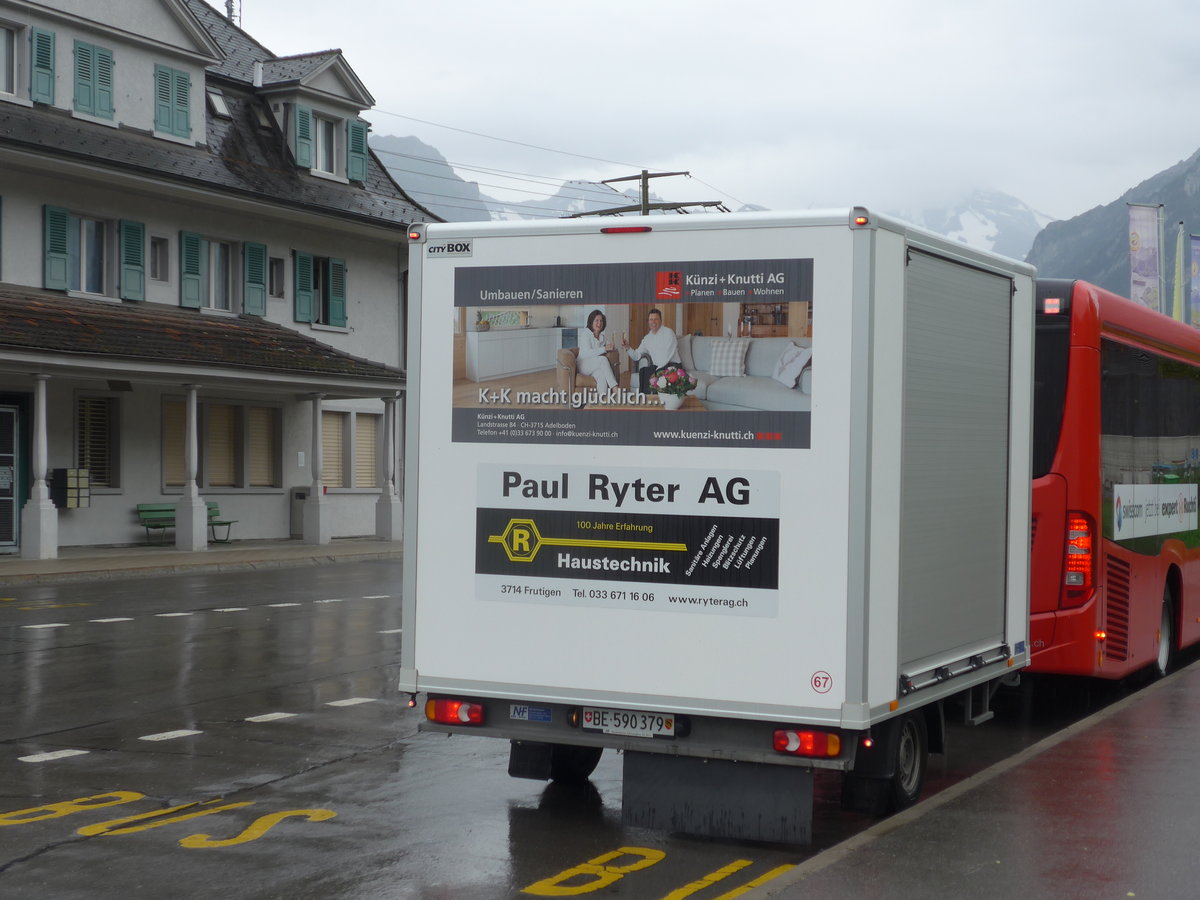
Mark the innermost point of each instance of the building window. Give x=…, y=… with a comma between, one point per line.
x=325, y=159
x=206, y=269
x=96, y=421
x=8, y=60
x=276, y=276
x=86, y=255
x=238, y=445
x=320, y=290
x=333, y=443
x=93, y=80
x=172, y=102
x=350, y=449
x=160, y=259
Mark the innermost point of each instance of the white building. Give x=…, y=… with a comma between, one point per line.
x=201, y=283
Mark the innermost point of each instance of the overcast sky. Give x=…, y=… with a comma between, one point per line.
x=790, y=104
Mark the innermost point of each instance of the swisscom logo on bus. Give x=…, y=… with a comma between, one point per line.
x=1145, y=510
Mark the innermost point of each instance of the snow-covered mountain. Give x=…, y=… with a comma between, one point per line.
x=988, y=220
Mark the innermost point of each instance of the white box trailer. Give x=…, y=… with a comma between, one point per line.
x=789, y=572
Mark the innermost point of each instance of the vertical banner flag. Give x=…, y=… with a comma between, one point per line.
x=1195, y=293
x=1144, y=262
x=1179, y=294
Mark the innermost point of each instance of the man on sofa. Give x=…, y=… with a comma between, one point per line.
x=657, y=348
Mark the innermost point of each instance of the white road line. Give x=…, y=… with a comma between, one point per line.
x=278, y=605
x=169, y=735
x=352, y=701
x=335, y=600
x=116, y=619
x=170, y=615
x=377, y=596
x=392, y=631
x=56, y=754
x=231, y=609
x=270, y=717
x=48, y=625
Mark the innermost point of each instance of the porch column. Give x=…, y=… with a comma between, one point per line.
x=39, y=516
x=389, y=510
x=191, y=513
x=318, y=529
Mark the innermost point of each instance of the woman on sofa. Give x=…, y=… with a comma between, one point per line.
x=593, y=344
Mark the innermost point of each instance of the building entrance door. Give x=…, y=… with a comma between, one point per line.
x=9, y=442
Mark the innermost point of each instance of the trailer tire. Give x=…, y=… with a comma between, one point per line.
x=570, y=764
x=1164, y=659
x=911, y=760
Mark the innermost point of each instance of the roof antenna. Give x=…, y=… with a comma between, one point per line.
x=234, y=17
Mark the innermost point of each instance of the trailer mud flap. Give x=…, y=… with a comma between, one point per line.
x=718, y=798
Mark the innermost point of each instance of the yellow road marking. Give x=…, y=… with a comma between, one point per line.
x=256, y=829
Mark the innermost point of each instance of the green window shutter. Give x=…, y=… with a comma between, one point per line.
x=104, y=83
x=191, y=270
x=85, y=78
x=337, y=292
x=56, y=221
x=254, y=282
x=182, y=106
x=356, y=151
x=302, y=135
x=303, y=307
x=164, y=119
x=133, y=260
x=41, y=76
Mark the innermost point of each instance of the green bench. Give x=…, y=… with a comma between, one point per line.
x=158, y=517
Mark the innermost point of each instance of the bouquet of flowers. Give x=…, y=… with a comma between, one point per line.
x=672, y=378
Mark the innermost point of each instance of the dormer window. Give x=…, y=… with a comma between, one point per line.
x=331, y=146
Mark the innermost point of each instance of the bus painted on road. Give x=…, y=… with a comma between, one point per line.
x=1115, y=568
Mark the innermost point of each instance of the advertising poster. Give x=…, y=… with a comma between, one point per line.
x=1145, y=272
x=647, y=539
x=1147, y=510
x=714, y=353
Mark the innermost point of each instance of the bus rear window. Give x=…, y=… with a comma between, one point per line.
x=1051, y=355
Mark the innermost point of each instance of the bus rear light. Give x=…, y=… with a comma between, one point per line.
x=1080, y=557
x=821, y=744
x=454, y=712
x=1102, y=636
x=1052, y=306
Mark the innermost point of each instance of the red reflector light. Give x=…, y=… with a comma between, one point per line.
x=625, y=229
x=454, y=712
x=1052, y=305
x=414, y=235
x=807, y=743
x=1101, y=635
x=861, y=220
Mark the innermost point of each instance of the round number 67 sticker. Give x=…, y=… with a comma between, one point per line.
x=822, y=682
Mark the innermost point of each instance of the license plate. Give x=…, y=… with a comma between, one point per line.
x=628, y=722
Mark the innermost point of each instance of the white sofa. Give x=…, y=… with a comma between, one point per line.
x=754, y=390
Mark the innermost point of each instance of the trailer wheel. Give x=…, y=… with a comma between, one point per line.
x=572, y=765
x=1165, y=657
x=912, y=757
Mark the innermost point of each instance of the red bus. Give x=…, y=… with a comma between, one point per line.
x=1115, y=569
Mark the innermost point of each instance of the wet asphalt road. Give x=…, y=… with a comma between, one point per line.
x=240, y=735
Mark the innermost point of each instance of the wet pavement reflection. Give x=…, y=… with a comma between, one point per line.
x=240, y=734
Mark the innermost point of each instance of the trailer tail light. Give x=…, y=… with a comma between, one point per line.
x=1081, y=558
x=454, y=712
x=625, y=229
x=819, y=744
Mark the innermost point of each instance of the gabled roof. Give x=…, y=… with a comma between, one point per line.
x=302, y=71
x=241, y=158
x=76, y=329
